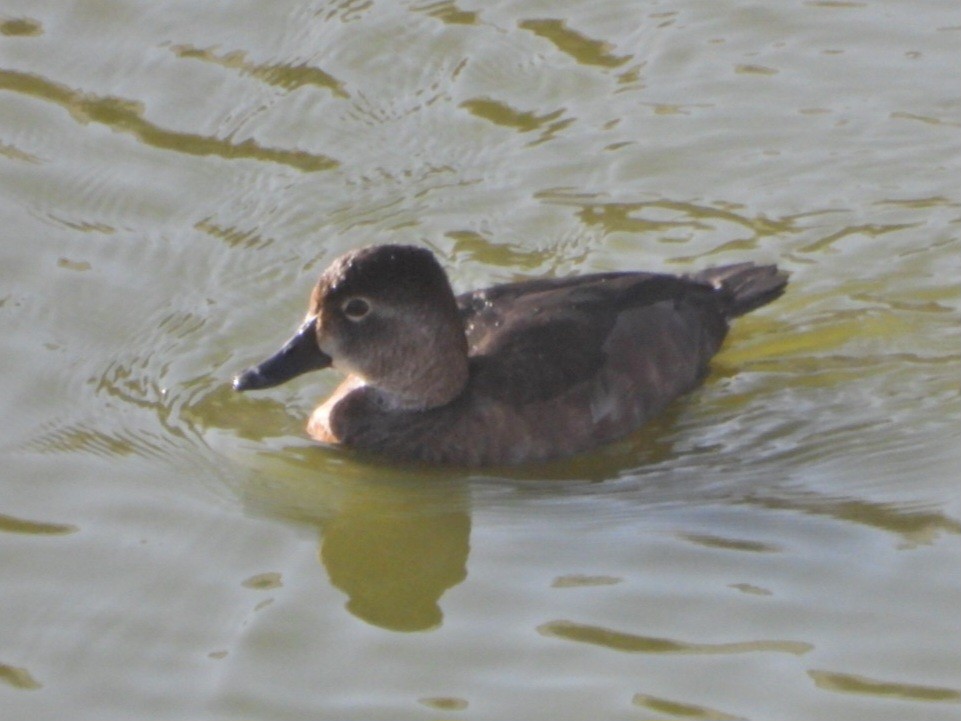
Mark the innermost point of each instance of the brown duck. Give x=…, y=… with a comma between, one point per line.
x=510, y=374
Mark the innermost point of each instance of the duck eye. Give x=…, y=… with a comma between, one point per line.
x=355, y=308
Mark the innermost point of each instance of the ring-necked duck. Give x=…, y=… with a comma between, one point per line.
x=514, y=373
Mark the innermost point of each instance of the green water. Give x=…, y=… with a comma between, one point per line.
x=783, y=544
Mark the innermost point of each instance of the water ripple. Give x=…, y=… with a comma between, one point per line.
x=850, y=683
x=502, y=114
x=126, y=116
x=11, y=524
x=286, y=76
x=633, y=643
x=583, y=49
x=681, y=709
x=84, y=436
x=18, y=677
x=914, y=525
x=21, y=27
x=447, y=12
x=14, y=153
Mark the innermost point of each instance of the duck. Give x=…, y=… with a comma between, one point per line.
x=520, y=372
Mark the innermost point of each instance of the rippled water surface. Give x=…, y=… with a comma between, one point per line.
x=785, y=543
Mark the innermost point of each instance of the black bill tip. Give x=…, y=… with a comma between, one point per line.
x=251, y=380
x=299, y=355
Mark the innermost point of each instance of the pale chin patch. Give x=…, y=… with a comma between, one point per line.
x=329, y=347
x=326, y=345
x=338, y=363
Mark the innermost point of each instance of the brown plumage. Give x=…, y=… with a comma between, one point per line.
x=515, y=373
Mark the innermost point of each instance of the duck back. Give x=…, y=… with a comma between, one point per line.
x=559, y=366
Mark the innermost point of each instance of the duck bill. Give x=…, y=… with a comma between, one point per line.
x=299, y=355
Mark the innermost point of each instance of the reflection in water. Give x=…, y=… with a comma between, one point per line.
x=471, y=246
x=683, y=710
x=55, y=438
x=10, y=524
x=584, y=50
x=447, y=12
x=849, y=683
x=254, y=419
x=395, y=563
x=264, y=581
x=750, y=589
x=14, y=153
x=632, y=643
x=914, y=526
x=665, y=215
x=753, y=69
x=444, y=703
x=162, y=430
x=870, y=230
x=233, y=236
x=524, y=122
x=127, y=116
x=288, y=77
x=18, y=677
x=576, y=580
x=21, y=27
x=730, y=544
x=394, y=541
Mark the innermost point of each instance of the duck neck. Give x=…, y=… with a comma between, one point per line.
x=427, y=368
x=438, y=387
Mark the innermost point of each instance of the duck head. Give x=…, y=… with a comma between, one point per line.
x=386, y=315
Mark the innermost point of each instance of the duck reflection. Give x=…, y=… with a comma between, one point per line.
x=393, y=565
x=393, y=540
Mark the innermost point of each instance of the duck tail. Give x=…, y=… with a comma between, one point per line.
x=745, y=286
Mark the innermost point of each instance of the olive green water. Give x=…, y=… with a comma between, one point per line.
x=784, y=544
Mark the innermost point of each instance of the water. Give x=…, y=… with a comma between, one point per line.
x=784, y=543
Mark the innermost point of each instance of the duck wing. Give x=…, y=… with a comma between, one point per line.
x=536, y=339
